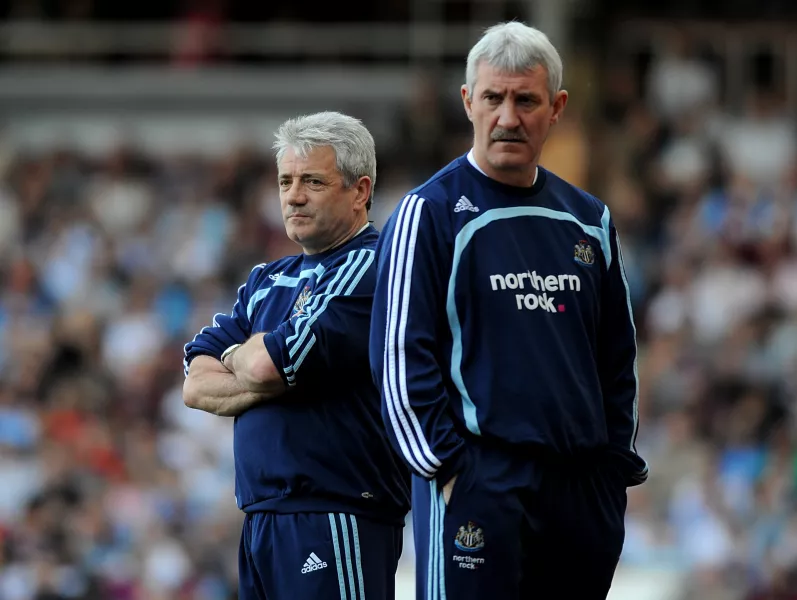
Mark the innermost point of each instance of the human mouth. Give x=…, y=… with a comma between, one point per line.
x=507, y=136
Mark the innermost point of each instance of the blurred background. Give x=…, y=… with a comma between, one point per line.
x=137, y=189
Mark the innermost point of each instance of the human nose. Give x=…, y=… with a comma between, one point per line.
x=508, y=116
x=294, y=195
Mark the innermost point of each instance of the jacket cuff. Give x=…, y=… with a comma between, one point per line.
x=457, y=462
x=631, y=465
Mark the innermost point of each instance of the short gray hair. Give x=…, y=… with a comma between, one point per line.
x=355, y=152
x=515, y=47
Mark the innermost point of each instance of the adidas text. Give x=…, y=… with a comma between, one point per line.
x=309, y=568
x=313, y=563
x=464, y=204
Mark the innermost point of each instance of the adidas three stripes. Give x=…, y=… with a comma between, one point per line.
x=319, y=556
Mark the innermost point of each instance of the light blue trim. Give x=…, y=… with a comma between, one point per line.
x=441, y=554
x=461, y=242
x=431, y=587
x=635, y=407
x=356, y=535
x=307, y=347
x=292, y=282
x=289, y=370
x=258, y=296
x=349, y=567
x=312, y=315
x=347, y=273
x=607, y=247
x=361, y=274
x=282, y=281
x=319, y=298
x=436, y=570
x=341, y=582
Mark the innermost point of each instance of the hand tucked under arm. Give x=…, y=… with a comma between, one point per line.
x=254, y=369
x=212, y=388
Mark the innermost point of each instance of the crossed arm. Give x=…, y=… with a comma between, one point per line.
x=247, y=377
x=331, y=335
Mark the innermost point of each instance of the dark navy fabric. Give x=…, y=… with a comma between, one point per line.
x=503, y=341
x=520, y=526
x=503, y=313
x=322, y=446
x=317, y=556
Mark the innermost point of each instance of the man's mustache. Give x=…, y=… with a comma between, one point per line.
x=508, y=135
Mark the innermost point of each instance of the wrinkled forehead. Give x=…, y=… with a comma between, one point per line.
x=534, y=79
x=320, y=159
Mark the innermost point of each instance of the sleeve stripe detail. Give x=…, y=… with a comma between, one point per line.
x=214, y=322
x=315, y=301
x=282, y=281
x=290, y=372
x=403, y=419
x=621, y=265
x=345, y=282
x=319, y=302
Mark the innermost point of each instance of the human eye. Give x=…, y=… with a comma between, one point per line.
x=315, y=182
x=527, y=101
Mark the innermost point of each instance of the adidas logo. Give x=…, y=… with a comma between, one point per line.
x=313, y=563
x=275, y=276
x=464, y=204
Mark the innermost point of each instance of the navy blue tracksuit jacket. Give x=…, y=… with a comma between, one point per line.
x=323, y=448
x=503, y=313
x=503, y=341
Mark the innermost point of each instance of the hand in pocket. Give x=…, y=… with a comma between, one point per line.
x=448, y=488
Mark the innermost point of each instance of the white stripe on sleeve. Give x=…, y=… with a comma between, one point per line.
x=403, y=419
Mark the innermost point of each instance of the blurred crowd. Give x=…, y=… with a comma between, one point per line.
x=705, y=199
x=110, y=489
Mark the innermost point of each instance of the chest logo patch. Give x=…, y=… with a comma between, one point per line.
x=584, y=254
x=301, y=301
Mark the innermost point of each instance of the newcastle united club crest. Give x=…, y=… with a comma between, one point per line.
x=470, y=538
x=298, y=307
x=584, y=254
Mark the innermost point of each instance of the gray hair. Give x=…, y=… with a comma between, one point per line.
x=514, y=48
x=355, y=153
